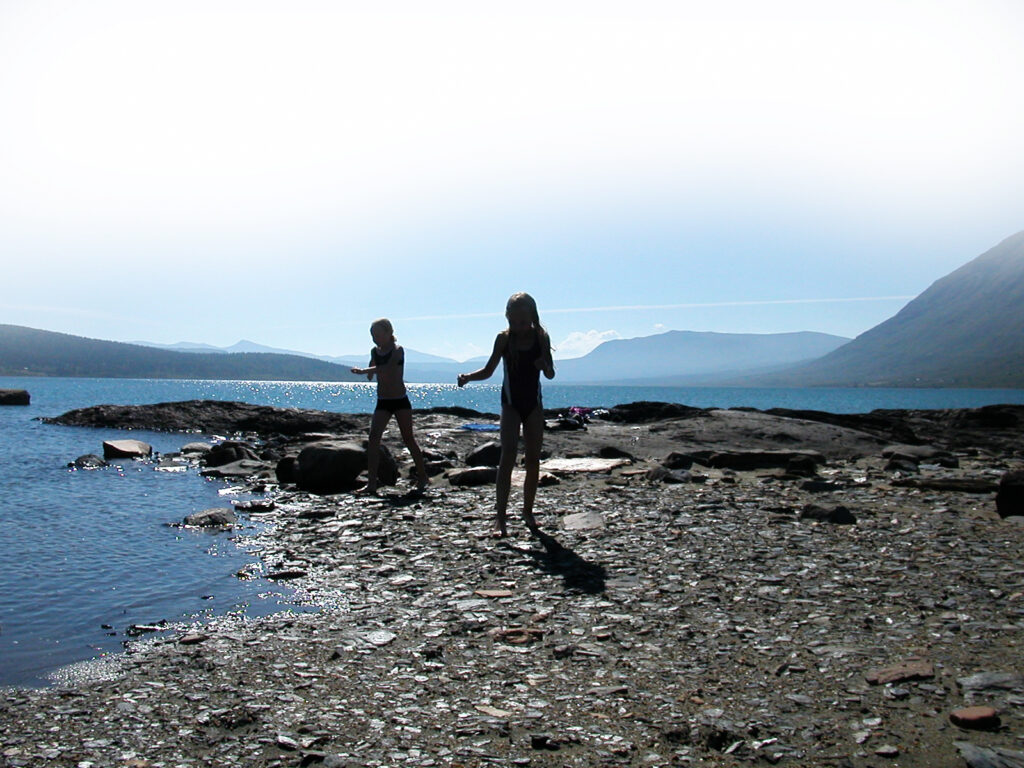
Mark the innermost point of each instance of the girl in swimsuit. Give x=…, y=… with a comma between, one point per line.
x=387, y=361
x=525, y=351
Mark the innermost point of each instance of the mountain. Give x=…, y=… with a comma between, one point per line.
x=689, y=357
x=32, y=352
x=244, y=345
x=966, y=330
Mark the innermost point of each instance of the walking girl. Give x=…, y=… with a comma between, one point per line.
x=524, y=349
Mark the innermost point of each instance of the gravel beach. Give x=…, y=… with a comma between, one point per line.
x=712, y=588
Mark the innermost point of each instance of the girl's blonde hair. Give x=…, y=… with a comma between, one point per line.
x=383, y=322
x=524, y=301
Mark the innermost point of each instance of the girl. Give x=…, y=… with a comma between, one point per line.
x=386, y=363
x=525, y=350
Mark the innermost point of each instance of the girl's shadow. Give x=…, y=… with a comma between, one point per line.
x=576, y=573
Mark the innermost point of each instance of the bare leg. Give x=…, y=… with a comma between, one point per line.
x=533, y=437
x=404, y=419
x=509, y=447
x=377, y=425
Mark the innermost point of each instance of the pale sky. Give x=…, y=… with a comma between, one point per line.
x=286, y=172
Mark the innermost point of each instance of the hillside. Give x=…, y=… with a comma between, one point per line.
x=966, y=330
x=682, y=357
x=32, y=352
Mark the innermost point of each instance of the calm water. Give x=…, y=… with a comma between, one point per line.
x=84, y=549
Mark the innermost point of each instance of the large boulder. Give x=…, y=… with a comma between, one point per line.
x=1010, y=496
x=14, y=397
x=329, y=467
x=486, y=455
x=229, y=452
x=126, y=449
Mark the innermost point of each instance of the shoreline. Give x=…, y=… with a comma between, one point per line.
x=710, y=615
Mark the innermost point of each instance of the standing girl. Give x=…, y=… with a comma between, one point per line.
x=387, y=361
x=525, y=350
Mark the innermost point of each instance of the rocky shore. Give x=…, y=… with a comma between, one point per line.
x=714, y=587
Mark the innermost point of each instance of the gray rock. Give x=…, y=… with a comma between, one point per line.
x=614, y=452
x=473, y=476
x=665, y=475
x=329, y=467
x=237, y=469
x=485, y=455
x=14, y=397
x=583, y=521
x=126, y=449
x=986, y=681
x=1010, y=496
x=88, y=461
x=196, y=449
x=229, y=452
x=748, y=460
x=989, y=757
x=676, y=460
x=208, y=518
x=838, y=515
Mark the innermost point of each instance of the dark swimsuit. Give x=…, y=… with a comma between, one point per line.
x=521, y=387
x=389, y=404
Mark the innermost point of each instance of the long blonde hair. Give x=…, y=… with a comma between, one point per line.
x=524, y=301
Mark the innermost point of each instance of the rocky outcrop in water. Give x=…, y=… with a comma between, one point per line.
x=14, y=397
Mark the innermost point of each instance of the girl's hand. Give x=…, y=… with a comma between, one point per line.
x=358, y=371
x=463, y=379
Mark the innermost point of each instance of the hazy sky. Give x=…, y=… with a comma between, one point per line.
x=286, y=172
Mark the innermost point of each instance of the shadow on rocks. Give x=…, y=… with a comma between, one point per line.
x=576, y=573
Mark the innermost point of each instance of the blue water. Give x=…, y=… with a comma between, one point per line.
x=83, y=549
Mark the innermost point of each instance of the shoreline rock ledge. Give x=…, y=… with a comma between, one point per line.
x=14, y=397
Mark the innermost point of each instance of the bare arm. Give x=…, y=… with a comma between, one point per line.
x=369, y=371
x=500, y=342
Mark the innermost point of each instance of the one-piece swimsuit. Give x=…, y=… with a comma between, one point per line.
x=521, y=387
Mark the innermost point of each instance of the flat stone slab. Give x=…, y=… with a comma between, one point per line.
x=976, y=718
x=583, y=521
x=912, y=669
x=582, y=465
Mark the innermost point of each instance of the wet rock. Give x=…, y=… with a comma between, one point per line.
x=229, y=452
x=237, y=469
x=126, y=449
x=485, y=455
x=256, y=505
x=838, y=515
x=215, y=517
x=88, y=461
x=644, y=412
x=196, y=449
x=472, y=476
x=329, y=467
x=1010, y=495
x=14, y=397
x=976, y=718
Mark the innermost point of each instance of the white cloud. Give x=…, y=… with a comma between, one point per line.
x=579, y=343
x=659, y=327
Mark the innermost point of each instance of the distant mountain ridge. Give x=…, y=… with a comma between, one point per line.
x=244, y=345
x=677, y=358
x=966, y=330
x=33, y=352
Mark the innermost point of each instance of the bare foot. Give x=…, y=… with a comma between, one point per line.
x=531, y=523
x=366, y=490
